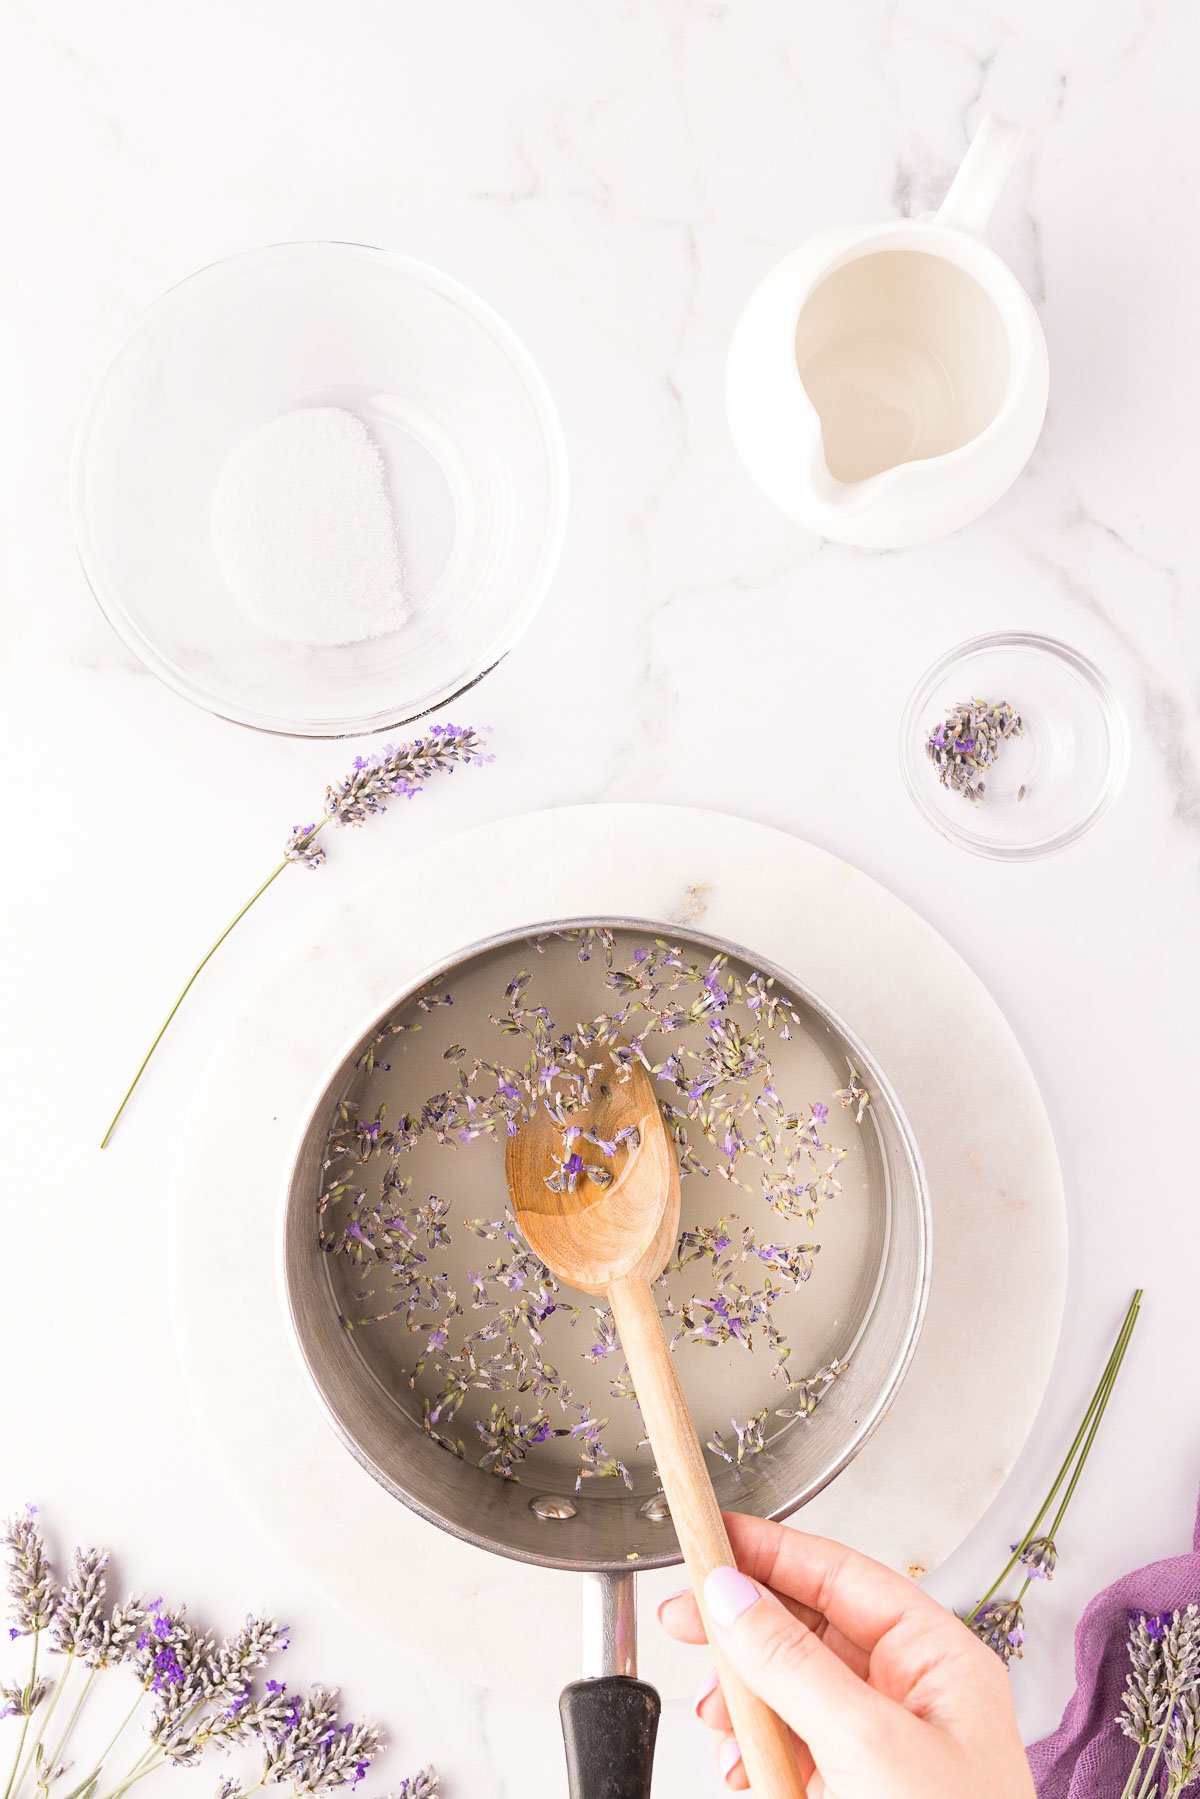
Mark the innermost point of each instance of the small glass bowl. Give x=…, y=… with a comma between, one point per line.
x=472, y=447
x=1046, y=787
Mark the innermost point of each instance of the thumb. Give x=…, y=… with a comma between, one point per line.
x=785, y=1663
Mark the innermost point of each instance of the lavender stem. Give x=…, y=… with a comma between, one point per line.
x=1087, y=1430
x=120, y=1731
x=1127, y=1791
x=52, y=1759
x=145, y=1764
x=188, y=985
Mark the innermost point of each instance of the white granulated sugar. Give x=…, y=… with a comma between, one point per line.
x=304, y=533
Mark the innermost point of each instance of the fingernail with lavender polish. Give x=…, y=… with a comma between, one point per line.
x=728, y=1758
x=702, y=1691
x=671, y=1598
x=727, y=1594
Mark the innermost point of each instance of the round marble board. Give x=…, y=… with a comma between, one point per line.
x=999, y=1223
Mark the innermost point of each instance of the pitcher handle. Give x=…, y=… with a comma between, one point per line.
x=981, y=174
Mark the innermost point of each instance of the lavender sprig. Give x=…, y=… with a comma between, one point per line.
x=29, y=1582
x=201, y=1692
x=33, y=1599
x=31, y=1589
x=1182, y=1758
x=1000, y=1622
x=1158, y=1706
x=1001, y=1625
x=397, y=771
x=424, y=1785
x=77, y=1627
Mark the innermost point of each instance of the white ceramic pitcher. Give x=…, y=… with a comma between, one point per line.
x=886, y=384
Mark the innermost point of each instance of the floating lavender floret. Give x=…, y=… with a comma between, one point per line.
x=967, y=742
x=854, y=1097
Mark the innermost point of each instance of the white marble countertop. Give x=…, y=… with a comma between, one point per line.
x=614, y=180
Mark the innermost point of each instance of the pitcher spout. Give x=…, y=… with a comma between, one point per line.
x=849, y=499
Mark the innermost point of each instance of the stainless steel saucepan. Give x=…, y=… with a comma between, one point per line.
x=610, y=1717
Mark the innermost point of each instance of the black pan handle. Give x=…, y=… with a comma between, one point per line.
x=609, y=1726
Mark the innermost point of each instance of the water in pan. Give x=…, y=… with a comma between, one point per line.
x=397, y=1326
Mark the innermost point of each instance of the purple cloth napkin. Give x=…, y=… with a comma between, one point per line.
x=1087, y=1757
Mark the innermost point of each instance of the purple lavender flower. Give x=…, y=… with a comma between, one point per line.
x=301, y=846
x=403, y=769
x=1001, y=1625
x=1039, y=1557
x=424, y=1785
x=31, y=1588
x=78, y=1626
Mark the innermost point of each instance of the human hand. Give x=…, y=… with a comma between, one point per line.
x=889, y=1695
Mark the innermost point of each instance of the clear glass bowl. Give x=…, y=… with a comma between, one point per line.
x=475, y=460
x=1046, y=787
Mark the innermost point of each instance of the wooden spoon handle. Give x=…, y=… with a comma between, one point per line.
x=764, y=1740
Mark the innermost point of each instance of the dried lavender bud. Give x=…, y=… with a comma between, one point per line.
x=172, y=1659
x=507, y=1439
x=31, y=1587
x=1182, y=1757
x=1001, y=1626
x=302, y=846
x=1145, y=1701
x=23, y=1701
x=967, y=742
x=749, y=1437
x=424, y=1785
x=1039, y=1558
x=255, y=1718
x=240, y=1656
x=119, y=1634
x=854, y=1096
x=804, y=1396
x=313, y=1751
x=401, y=771
x=1179, y=1648
x=78, y=1627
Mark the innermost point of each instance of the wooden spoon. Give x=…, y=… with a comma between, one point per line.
x=613, y=1242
